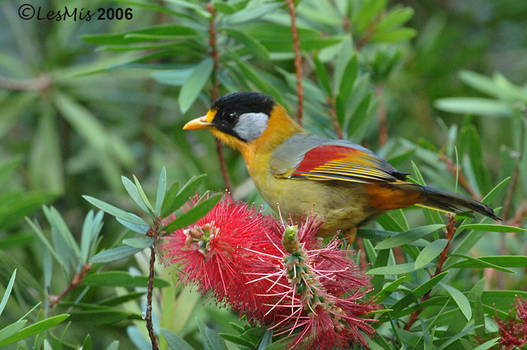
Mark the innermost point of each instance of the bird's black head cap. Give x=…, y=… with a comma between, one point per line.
x=230, y=107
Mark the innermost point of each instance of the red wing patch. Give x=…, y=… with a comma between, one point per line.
x=333, y=162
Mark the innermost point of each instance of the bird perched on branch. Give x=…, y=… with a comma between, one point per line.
x=345, y=184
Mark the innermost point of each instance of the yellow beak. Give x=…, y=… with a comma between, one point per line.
x=198, y=123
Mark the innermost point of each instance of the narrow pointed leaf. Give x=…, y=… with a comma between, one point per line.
x=461, y=301
x=430, y=252
x=161, y=190
x=7, y=292
x=114, y=254
x=35, y=328
x=194, y=214
x=112, y=210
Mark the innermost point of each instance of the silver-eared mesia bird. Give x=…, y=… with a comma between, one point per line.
x=343, y=183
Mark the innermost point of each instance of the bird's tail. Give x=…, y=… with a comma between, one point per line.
x=453, y=203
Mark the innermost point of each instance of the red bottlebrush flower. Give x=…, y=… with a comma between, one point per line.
x=314, y=290
x=513, y=331
x=212, y=252
x=282, y=277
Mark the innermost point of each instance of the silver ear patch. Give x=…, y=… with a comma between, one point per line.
x=251, y=125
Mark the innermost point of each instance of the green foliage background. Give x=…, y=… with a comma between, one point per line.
x=82, y=103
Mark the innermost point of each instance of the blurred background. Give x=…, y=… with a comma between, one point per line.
x=84, y=102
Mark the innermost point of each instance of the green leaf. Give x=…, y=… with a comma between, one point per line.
x=102, y=317
x=174, y=77
x=419, y=292
x=120, y=279
x=90, y=230
x=194, y=214
x=496, y=190
x=114, y=211
x=480, y=83
x=8, y=167
x=348, y=80
x=141, y=229
x=253, y=11
x=121, y=299
x=175, y=199
x=251, y=43
x=322, y=75
x=389, y=289
x=45, y=160
x=502, y=299
x=114, y=254
x=55, y=219
x=36, y=228
x=267, y=339
x=474, y=105
x=491, y=228
x=114, y=345
x=161, y=190
x=35, y=328
x=408, y=236
x=143, y=194
x=395, y=18
x=475, y=295
x=87, y=343
x=498, y=262
x=430, y=252
x=133, y=192
x=367, y=13
x=381, y=260
x=12, y=211
x=139, y=242
x=7, y=292
x=224, y=7
x=11, y=329
x=194, y=84
x=488, y=344
x=212, y=340
x=165, y=31
x=359, y=117
x=174, y=341
x=237, y=339
x=461, y=300
x=392, y=269
x=395, y=35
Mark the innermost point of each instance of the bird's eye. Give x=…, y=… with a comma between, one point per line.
x=231, y=117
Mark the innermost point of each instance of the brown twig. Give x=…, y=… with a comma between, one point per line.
x=77, y=279
x=154, y=233
x=383, y=119
x=451, y=167
x=368, y=33
x=519, y=216
x=41, y=83
x=333, y=115
x=450, y=232
x=298, y=60
x=215, y=88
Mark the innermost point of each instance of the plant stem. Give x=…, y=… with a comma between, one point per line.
x=77, y=279
x=154, y=233
x=450, y=232
x=40, y=83
x=298, y=60
x=333, y=115
x=215, y=88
